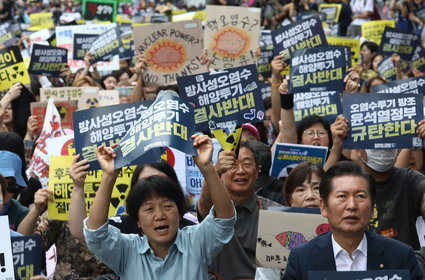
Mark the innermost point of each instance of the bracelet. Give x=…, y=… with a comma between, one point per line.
x=276, y=84
x=287, y=101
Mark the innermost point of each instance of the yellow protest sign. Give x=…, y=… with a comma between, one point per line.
x=332, y=12
x=61, y=184
x=12, y=68
x=189, y=16
x=229, y=142
x=373, y=30
x=41, y=20
x=353, y=44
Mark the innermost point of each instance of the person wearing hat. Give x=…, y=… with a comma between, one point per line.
x=10, y=169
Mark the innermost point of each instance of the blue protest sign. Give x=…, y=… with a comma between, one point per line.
x=224, y=98
x=82, y=43
x=266, y=46
x=418, y=58
x=104, y=126
x=360, y=275
x=326, y=104
x=47, y=60
x=412, y=85
x=7, y=34
x=381, y=121
x=396, y=41
x=106, y=45
x=27, y=254
x=318, y=69
x=388, y=70
x=287, y=156
x=265, y=89
x=168, y=122
x=304, y=34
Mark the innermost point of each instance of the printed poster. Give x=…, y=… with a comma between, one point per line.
x=286, y=156
x=104, y=126
x=355, y=275
x=418, y=59
x=61, y=184
x=231, y=35
x=82, y=44
x=224, y=99
x=27, y=254
x=264, y=62
x=396, y=41
x=106, y=45
x=382, y=121
x=411, y=86
x=304, y=34
x=388, y=70
x=326, y=104
x=6, y=271
x=109, y=97
x=373, y=30
x=332, y=12
x=40, y=21
x=12, y=68
x=279, y=232
x=7, y=34
x=47, y=60
x=168, y=122
x=171, y=50
x=101, y=10
x=65, y=110
x=87, y=97
x=353, y=44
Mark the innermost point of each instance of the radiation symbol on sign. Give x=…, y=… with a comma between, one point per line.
x=63, y=112
x=92, y=102
x=115, y=201
x=17, y=72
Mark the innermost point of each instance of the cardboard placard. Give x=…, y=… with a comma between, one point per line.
x=373, y=30
x=65, y=109
x=27, y=254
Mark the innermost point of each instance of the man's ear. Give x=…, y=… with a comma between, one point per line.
x=323, y=208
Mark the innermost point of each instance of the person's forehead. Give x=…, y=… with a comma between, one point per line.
x=245, y=153
x=349, y=182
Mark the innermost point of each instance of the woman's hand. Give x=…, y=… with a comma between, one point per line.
x=106, y=156
x=78, y=171
x=204, y=146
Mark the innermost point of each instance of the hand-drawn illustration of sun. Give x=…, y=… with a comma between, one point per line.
x=231, y=42
x=166, y=55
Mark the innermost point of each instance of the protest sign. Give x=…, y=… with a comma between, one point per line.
x=279, y=232
x=65, y=39
x=127, y=40
x=332, y=12
x=61, y=146
x=318, y=69
x=418, y=59
x=326, y=104
x=373, y=30
x=39, y=164
x=420, y=14
x=231, y=35
x=168, y=122
x=171, y=50
x=266, y=90
x=189, y=16
x=388, y=70
x=104, y=126
x=303, y=34
x=87, y=97
x=109, y=97
x=402, y=43
x=228, y=139
x=7, y=34
x=47, y=60
x=266, y=47
x=360, y=275
x=12, y=68
x=224, y=98
x=411, y=86
x=27, y=255
x=6, y=272
x=40, y=21
x=124, y=91
x=286, y=156
x=382, y=121
x=101, y=10
x=61, y=184
x=353, y=44
x=65, y=110
x=106, y=46
x=82, y=43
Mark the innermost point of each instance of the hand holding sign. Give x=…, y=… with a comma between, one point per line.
x=41, y=197
x=106, y=156
x=204, y=147
x=32, y=128
x=78, y=171
x=14, y=92
x=225, y=162
x=277, y=66
x=339, y=131
x=421, y=129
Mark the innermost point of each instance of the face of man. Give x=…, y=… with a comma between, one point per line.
x=349, y=205
x=240, y=180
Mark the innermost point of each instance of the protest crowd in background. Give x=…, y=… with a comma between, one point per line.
x=198, y=139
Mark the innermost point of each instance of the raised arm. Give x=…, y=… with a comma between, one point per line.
x=339, y=131
x=219, y=196
x=225, y=161
x=277, y=67
x=77, y=207
x=13, y=93
x=137, y=94
x=100, y=208
x=287, y=127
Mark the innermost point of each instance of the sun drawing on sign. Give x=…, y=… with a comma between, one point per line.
x=166, y=55
x=230, y=42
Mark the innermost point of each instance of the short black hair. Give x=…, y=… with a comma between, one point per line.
x=309, y=121
x=162, y=165
x=372, y=46
x=345, y=168
x=249, y=144
x=154, y=186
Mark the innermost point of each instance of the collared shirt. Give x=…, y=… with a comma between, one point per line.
x=343, y=261
x=131, y=257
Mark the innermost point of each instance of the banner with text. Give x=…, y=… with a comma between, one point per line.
x=12, y=68
x=373, y=30
x=412, y=86
x=396, y=41
x=326, y=104
x=101, y=10
x=65, y=109
x=106, y=45
x=27, y=255
x=360, y=275
x=47, y=60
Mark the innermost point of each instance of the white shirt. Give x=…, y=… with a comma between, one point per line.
x=343, y=261
x=358, y=7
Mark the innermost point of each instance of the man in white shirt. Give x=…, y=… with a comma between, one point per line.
x=347, y=195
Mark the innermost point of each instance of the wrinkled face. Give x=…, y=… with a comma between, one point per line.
x=316, y=135
x=378, y=58
x=159, y=219
x=241, y=178
x=8, y=115
x=307, y=195
x=150, y=92
x=349, y=205
x=110, y=83
x=416, y=159
x=367, y=54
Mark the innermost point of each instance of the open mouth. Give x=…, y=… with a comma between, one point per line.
x=240, y=180
x=161, y=229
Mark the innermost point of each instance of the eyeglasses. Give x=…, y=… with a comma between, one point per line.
x=311, y=133
x=247, y=166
